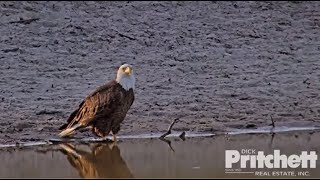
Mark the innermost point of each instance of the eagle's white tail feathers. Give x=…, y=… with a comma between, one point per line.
x=69, y=131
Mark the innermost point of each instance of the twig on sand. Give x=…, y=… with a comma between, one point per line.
x=11, y=50
x=123, y=35
x=126, y=36
x=272, y=121
x=25, y=21
x=280, y=103
x=230, y=105
x=183, y=136
x=169, y=130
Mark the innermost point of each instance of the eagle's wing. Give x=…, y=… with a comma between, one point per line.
x=98, y=104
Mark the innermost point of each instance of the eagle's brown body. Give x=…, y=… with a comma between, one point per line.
x=103, y=110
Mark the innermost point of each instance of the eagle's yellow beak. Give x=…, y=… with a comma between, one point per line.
x=128, y=71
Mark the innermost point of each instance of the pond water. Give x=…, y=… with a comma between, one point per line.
x=195, y=157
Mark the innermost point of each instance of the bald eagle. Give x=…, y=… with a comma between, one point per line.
x=104, y=109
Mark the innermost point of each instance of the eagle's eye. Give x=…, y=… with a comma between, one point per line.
x=124, y=69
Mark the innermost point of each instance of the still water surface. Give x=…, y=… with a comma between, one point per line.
x=196, y=157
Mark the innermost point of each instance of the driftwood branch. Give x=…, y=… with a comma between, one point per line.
x=272, y=122
x=126, y=36
x=10, y=50
x=169, y=129
x=183, y=136
x=123, y=35
x=280, y=103
x=25, y=21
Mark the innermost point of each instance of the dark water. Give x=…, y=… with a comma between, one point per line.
x=197, y=157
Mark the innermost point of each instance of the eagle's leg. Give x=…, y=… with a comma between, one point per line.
x=114, y=137
x=114, y=140
x=114, y=131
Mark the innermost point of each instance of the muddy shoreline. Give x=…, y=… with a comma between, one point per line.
x=152, y=158
x=214, y=65
x=172, y=136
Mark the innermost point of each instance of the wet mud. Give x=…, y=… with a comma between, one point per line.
x=214, y=65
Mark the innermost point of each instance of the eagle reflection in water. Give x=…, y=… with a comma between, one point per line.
x=104, y=161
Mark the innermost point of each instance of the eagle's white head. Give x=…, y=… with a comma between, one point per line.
x=125, y=77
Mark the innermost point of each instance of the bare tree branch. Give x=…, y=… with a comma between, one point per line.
x=25, y=21
x=169, y=129
x=126, y=36
x=272, y=121
x=183, y=136
x=280, y=103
